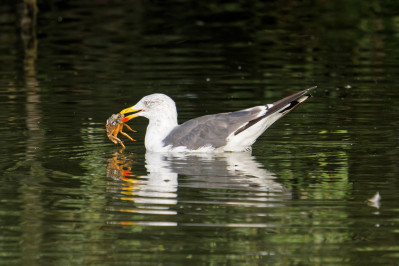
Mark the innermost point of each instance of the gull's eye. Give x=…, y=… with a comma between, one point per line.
x=146, y=103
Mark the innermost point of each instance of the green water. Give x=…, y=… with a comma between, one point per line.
x=71, y=197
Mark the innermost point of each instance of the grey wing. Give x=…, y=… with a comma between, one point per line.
x=210, y=130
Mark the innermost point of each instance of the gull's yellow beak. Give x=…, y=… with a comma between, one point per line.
x=130, y=110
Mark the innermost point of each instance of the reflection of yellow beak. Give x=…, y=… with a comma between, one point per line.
x=130, y=110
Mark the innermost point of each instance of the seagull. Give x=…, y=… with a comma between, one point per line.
x=224, y=132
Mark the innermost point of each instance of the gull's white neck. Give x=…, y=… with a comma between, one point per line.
x=158, y=128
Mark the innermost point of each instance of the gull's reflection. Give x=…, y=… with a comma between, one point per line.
x=159, y=186
x=217, y=171
x=239, y=171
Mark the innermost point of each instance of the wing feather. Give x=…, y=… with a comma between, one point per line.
x=210, y=130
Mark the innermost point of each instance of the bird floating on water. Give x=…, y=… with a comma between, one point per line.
x=232, y=131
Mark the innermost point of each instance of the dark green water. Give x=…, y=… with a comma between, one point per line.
x=69, y=196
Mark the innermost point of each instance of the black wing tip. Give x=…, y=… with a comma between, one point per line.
x=310, y=89
x=292, y=101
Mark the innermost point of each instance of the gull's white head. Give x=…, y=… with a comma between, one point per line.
x=155, y=106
